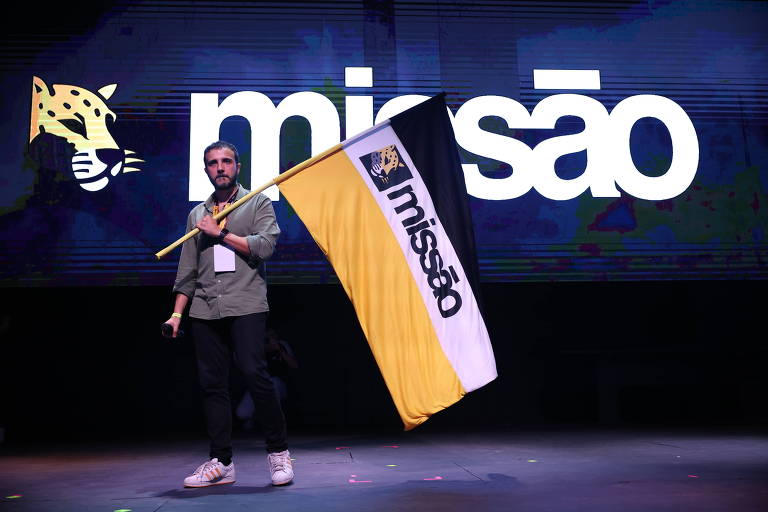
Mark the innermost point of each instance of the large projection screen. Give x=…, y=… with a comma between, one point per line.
x=600, y=140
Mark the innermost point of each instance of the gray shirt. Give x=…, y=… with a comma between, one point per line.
x=222, y=294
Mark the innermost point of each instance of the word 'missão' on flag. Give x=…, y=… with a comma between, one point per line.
x=390, y=211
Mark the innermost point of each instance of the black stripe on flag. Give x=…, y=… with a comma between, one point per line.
x=426, y=132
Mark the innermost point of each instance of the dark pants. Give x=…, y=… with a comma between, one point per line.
x=217, y=343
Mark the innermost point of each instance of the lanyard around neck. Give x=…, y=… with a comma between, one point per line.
x=216, y=210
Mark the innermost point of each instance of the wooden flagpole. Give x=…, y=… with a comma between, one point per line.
x=226, y=211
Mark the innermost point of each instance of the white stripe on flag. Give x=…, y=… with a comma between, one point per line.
x=463, y=336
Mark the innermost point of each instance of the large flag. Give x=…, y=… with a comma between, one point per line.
x=390, y=211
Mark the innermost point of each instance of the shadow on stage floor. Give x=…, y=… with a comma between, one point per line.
x=533, y=470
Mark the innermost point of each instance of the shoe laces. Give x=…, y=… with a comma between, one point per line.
x=279, y=460
x=206, y=466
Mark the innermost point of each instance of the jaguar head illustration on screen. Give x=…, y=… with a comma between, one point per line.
x=82, y=118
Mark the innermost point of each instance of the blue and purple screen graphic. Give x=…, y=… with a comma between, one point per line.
x=599, y=140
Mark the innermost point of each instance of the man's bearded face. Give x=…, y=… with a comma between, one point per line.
x=221, y=168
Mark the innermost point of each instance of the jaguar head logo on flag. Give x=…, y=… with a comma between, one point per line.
x=83, y=119
x=386, y=167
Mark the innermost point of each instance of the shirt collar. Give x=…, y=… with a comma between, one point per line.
x=211, y=201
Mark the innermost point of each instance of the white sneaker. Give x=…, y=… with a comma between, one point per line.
x=211, y=472
x=280, y=467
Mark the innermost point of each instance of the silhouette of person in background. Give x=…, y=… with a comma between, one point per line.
x=281, y=363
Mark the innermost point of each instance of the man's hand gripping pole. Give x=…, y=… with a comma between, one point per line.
x=226, y=211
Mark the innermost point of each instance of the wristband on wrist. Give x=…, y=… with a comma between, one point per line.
x=175, y=315
x=224, y=232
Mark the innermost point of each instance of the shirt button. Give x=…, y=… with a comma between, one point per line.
x=219, y=295
x=219, y=280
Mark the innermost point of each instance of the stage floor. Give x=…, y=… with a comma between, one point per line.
x=547, y=471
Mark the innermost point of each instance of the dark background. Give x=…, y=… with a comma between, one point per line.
x=86, y=363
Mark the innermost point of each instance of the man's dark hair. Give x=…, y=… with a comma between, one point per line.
x=220, y=144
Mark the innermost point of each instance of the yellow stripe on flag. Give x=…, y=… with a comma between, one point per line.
x=335, y=204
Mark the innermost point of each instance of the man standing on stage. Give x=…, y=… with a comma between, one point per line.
x=221, y=270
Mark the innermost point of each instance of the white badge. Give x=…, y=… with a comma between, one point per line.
x=223, y=258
